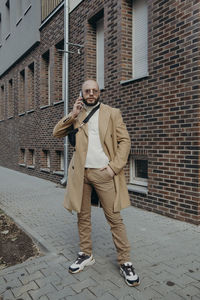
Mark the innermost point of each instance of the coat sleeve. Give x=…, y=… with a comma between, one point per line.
x=123, y=145
x=64, y=126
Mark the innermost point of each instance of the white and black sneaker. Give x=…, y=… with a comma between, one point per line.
x=127, y=271
x=82, y=261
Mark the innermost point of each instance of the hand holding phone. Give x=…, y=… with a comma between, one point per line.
x=78, y=105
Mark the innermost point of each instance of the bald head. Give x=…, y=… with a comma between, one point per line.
x=90, y=82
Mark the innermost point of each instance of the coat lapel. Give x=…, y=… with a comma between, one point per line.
x=104, y=116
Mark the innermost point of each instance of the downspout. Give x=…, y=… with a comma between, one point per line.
x=66, y=84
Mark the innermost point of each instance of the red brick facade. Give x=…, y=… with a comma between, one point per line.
x=161, y=110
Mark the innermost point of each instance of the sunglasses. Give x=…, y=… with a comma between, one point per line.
x=89, y=91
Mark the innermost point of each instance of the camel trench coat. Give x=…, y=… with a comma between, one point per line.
x=116, y=145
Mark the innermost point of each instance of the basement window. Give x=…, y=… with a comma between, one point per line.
x=138, y=175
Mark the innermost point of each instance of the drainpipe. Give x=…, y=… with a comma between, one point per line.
x=66, y=84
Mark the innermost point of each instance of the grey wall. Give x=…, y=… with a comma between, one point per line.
x=22, y=36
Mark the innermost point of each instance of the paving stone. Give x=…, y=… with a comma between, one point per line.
x=9, y=285
x=31, y=277
x=53, y=279
x=44, y=298
x=107, y=296
x=172, y=296
x=66, y=280
x=24, y=296
x=8, y=295
x=83, y=295
x=188, y=291
x=18, y=274
x=78, y=287
x=129, y=291
x=25, y=288
x=42, y=291
x=196, y=297
x=36, y=267
x=101, y=288
x=67, y=291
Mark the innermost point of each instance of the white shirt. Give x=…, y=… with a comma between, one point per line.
x=96, y=158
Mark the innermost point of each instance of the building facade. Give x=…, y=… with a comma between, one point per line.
x=146, y=58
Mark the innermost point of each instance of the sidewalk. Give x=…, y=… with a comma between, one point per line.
x=165, y=252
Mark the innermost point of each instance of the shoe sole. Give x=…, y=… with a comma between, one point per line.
x=129, y=284
x=90, y=263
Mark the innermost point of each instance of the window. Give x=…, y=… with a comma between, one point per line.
x=45, y=79
x=58, y=163
x=134, y=39
x=140, y=38
x=7, y=18
x=45, y=161
x=31, y=158
x=22, y=92
x=100, y=52
x=139, y=171
x=22, y=158
x=31, y=86
x=0, y=30
x=60, y=160
x=2, y=103
x=59, y=69
x=10, y=99
x=94, y=52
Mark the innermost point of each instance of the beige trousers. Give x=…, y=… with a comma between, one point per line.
x=104, y=186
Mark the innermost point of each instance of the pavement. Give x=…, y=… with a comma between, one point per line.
x=165, y=252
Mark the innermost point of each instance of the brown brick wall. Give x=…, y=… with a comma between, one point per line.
x=161, y=111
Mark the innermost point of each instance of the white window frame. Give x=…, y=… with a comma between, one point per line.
x=133, y=179
x=139, y=46
x=48, y=159
x=62, y=164
x=100, y=52
x=49, y=80
x=23, y=152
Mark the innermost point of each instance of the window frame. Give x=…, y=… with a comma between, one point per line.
x=140, y=181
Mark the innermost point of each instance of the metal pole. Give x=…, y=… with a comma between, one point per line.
x=66, y=84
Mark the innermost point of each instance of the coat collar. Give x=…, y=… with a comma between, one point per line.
x=104, y=116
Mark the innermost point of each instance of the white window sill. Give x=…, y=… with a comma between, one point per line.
x=134, y=79
x=59, y=102
x=21, y=114
x=45, y=106
x=30, y=111
x=22, y=165
x=31, y=167
x=138, y=189
x=60, y=173
x=45, y=170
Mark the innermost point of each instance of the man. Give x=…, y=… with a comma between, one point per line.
x=101, y=152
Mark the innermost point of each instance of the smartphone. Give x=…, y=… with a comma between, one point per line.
x=81, y=94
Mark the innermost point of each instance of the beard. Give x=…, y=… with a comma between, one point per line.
x=90, y=104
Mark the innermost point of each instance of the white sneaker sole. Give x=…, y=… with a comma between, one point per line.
x=90, y=263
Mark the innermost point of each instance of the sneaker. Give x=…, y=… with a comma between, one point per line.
x=127, y=271
x=82, y=261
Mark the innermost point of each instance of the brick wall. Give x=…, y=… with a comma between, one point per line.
x=161, y=110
